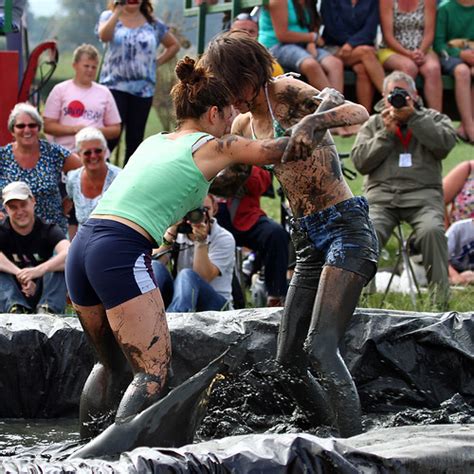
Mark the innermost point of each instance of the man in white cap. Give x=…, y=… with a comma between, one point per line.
x=32, y=257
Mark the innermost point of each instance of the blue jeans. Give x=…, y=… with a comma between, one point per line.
x=50, y=291
x=189, y=292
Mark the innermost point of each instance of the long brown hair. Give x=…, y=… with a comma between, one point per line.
x=307, y=14
x=197, y=90
x=238, y=59
x=146, y=9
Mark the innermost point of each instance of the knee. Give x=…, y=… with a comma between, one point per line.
x=334, y=64
x=410, y=68
x=186, y=276
x=360, y=71
x=432, y=70
x=367, y=52
x=429, y=231
x=310, y=66
x=462, y=72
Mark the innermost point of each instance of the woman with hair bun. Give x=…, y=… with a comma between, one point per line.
x=109, y=274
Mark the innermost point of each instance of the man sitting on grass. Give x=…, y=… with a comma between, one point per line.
x=32, y=257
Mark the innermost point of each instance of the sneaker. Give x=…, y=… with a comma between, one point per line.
x=44, y=309
x=19, y=309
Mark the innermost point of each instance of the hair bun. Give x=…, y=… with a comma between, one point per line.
x=187, y=72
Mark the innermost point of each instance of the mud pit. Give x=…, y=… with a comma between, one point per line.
x=414, y=373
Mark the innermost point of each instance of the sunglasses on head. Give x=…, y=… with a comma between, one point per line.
x=245, y=17
x=97, y=151
x=21, y=126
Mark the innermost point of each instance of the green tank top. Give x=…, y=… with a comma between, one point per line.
x=266, y=33
x=159, y=185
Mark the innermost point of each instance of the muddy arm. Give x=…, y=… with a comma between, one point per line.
x=230, y=181
x=307, y=133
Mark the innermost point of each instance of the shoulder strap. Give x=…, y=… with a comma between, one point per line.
x=201, y=141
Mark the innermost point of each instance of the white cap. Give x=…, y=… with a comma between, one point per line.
x=16, y=190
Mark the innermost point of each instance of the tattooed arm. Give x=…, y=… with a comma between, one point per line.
x=333, y=111
x=217, y=154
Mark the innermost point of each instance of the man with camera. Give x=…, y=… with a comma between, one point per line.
x=204, y=259
x=400, y=152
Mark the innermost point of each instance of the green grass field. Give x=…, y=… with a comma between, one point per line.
x=461, y=299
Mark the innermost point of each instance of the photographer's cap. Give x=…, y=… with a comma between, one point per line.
x=16, y=190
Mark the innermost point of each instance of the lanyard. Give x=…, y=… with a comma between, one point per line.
x=405, y=140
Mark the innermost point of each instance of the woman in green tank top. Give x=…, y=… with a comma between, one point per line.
x=109, y=274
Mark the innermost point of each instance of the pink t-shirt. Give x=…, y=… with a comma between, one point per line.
x=73, y=105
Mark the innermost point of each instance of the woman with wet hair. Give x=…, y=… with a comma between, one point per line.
x=335, y=243
x=109, y=274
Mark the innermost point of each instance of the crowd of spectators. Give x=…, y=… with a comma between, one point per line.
x=398, y=150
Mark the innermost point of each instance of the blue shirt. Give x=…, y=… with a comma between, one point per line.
x=344, y=23
x=130, y=59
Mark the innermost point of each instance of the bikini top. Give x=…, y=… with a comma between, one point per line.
x=278, y=130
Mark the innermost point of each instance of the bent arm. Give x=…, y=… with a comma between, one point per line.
x=372, y=147
x=307, y=133
x=7, y=266
x=110, y=131
x=71, y=163
x=386, y=22
x=231, y=149
x=53, y=127
x=171, y=48
x=57, y=262
x=279, y=14
x=430, y=24
x=434, y=131
x=454, y=181
x=106, y=28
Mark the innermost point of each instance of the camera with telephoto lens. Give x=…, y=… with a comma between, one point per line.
x=196, y=216
x=398, y=97
x=120, y=2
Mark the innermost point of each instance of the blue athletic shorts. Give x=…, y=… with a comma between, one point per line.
x=290, y=56
x=344, y=235
x=449, y=64
x=109, y=263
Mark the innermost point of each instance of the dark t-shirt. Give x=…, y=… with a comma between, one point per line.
x=32, y=249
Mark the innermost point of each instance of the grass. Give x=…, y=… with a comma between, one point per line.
x=462, y=300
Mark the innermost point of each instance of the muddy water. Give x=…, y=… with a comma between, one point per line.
x=255, y=400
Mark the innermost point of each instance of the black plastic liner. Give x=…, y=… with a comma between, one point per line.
x=415, y=367
x=433, y=449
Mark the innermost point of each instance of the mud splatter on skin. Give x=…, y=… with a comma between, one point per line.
x=294, y=103
x=226, y=142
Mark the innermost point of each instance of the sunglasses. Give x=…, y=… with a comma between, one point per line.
x=97, y=151
x=21, y=126
x=245, y=17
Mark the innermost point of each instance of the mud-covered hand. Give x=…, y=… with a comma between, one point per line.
x=304, y=136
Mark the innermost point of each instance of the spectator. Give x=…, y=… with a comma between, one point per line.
x=289, y=29
x=32, y=257
x=36, y=162
x=243, y=216
x=408, y=32
x=454, y=29
x=350, y=28
x=400, y=152
x=458, y=188
x=86, y=184
x=129, y=69
x=80, y=102
x=461, y=252
x=246, y=22
x=205, y=264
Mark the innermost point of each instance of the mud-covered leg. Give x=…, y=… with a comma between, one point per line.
x=140, y=327
x=338, y=293
x=294, y=328
x=109, y=377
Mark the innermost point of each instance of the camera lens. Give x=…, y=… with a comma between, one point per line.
x=196, y=216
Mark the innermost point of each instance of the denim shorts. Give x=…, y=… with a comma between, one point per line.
x=290, y=56
x=449, y=64
x=108, y=263
x=344, y=236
